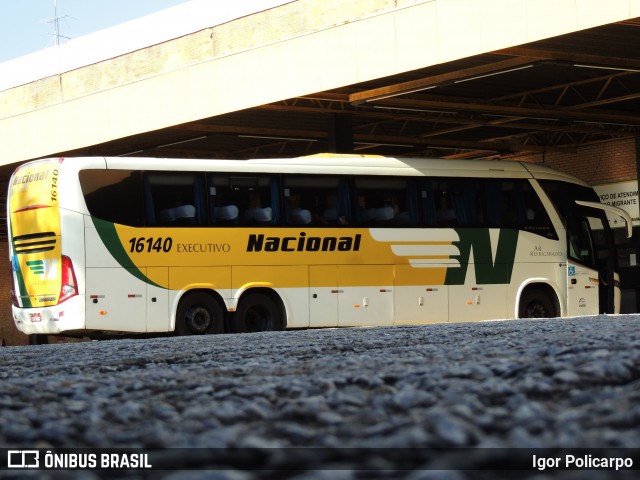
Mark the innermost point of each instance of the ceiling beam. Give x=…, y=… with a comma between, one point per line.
x=257, y=132
x=455, y=122
x=530, y=112
x=373, y=139
x=428, y=83
x=582, y=59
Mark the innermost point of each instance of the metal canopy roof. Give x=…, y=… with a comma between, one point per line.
x=552, y=95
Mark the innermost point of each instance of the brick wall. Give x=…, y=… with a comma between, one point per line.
x=595, y=164
x=9, y=335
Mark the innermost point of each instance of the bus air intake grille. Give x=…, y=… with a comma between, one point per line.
x=34, y=242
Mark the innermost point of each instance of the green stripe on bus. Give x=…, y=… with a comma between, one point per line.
x=22, y=292
x=111, y=240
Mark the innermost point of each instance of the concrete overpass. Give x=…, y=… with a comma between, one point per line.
x=467, y=77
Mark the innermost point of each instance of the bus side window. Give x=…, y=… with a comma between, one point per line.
x=223, y=209
x=386, y=202
x=113, y=195
x=503, y=208
x=316, y=200
x=495, y=200
x=428, y=202
x=237, y=199
x=259, y=205
x=467, y=202
x=514, y=204
x=175, y=199
x=532, y=215
x=457, y=203
x=444, y=202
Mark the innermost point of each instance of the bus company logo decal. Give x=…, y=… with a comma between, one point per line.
x=47, y=269
x=491, y=251
x=303, y=243
x=30, y=177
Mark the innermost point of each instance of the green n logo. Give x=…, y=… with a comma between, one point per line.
x=475, y=246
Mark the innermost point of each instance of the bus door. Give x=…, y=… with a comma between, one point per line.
x=592, y=258
x=590, y=265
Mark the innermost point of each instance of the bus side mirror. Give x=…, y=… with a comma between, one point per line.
x=611, y=209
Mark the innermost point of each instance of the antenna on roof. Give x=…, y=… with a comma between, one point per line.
x=56, y=24
x=57, y=36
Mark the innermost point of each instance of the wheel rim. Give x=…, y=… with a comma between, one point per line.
x=198, y=319
x=536, y=310
x=258, y=319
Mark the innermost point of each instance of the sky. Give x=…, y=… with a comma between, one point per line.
x=25, y=25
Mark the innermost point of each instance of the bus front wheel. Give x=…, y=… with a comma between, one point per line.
x=199, y=314
x=536, y=303
x=258, y=312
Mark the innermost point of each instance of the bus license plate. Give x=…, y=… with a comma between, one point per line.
x=36, y=317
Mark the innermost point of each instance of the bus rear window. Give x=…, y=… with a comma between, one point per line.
x=113, y=195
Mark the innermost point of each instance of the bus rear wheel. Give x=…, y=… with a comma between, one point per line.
x=536, y=303
x=259, y=312
x=199, y=314
x=38, y=339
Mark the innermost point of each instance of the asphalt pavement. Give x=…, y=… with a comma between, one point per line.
x=446, y=401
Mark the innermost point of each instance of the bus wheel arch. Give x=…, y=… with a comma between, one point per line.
x=200, y=312
x=538, y=300
x=259, y=310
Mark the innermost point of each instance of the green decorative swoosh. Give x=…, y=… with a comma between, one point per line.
x=111, y=240
x=22, y=292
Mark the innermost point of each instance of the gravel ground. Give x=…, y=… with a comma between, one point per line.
x=410, y=402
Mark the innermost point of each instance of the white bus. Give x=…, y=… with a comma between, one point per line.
x=104, y=246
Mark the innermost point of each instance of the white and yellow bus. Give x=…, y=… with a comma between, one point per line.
x=103, y=246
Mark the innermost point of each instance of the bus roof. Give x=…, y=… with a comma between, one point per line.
x=336, y=164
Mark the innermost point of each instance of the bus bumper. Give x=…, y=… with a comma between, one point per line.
x=69, y=315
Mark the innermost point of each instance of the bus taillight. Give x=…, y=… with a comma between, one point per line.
x=12, y=293
x=69, y=287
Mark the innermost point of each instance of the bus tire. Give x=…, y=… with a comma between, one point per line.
x=537, y=303
x=38, y=339
x=199, y=314
x=259, y=312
